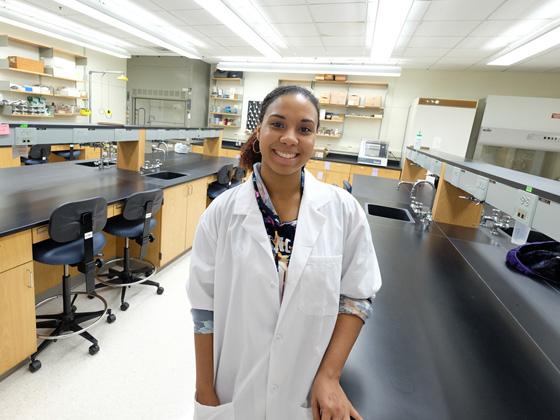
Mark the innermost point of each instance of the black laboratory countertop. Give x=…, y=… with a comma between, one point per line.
x=28, y=194
x=331, y=157
x=454, y=334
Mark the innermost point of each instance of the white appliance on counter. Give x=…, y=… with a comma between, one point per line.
x=373, y=152
x=441, y=124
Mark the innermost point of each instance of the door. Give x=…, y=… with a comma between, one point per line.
x=195, y=207
x=160, y=112
x=173, y=222
x=17, y=316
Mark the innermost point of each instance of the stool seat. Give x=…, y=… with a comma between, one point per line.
x=215, y=189
x=33, y=161
x=67, y=154
x=119, y=226
x=55, y=253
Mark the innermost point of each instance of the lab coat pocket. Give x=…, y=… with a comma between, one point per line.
x=304, y=413
x=320, y=285
x=221, y=412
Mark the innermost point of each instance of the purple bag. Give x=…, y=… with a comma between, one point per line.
x=539, y=260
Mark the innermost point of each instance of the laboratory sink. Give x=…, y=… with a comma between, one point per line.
x=166, y=175
x=395, y=213
x=534, y=236
x=94, y=164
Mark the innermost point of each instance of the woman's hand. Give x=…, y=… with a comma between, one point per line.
x=329, y=402
x=207, y=397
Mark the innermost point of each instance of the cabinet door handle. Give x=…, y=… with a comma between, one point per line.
x=30, y=279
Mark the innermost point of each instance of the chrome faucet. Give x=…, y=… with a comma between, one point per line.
x=149, y=167
x=161, y=150
x=499, y=219
x=417, y=206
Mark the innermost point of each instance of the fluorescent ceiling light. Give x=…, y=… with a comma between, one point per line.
x=537, y=45
x=225, y=15
x=310, y=68
x=114, y=16
x=370, y=24
x=391, y=15
x=37, y=20
x=309, y=60
x=252, y=14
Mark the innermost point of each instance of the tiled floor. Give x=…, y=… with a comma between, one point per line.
x=144, y=370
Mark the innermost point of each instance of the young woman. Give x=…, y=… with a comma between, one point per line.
x=283, y=274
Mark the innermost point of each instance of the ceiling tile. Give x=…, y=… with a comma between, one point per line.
x=461, y=10
x=458, y=60
x=417, y=10
x=341, y=29
x=345, y=51
x=171, y=19
x=440, y=28
x=296, y=29
x=53, y=8
x=177, y=4
x=339, y=41
x=214, y=30
x=303, y=41
x=508, y=28
x=280, y=2
x=287, y=14
x=515, y=9
x=409, y=28
x=464, y=52
x=334, y=1
x=244, y=51
x=449, y=66
x=484, y=43
x=434, y=42
x=196, y=17
x=317, y=51
x=424, y=52
x=348, y=12
x=230, y=41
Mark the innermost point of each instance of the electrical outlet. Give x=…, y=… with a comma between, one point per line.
x=525, y=207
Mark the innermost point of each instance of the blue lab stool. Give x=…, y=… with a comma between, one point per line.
x=38, y=154
x=76, y=237
x=136, y=222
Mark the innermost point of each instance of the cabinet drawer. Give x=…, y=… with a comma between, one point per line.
x=15, y=249
x=40, y=233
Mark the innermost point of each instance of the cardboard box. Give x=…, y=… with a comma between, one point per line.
x=354, y=100
x=338, y=98
x=324, y=98
x=329, y=76
x=26, y=64
x=373, y=101
x=340, y=77
x=319, y=77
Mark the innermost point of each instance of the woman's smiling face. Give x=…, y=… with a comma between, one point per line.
x=287, y=134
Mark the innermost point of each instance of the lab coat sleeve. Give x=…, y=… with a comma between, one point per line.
x=200, y=287
x=361, y=278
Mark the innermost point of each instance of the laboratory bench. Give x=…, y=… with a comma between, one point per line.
x=454, y=334
x=29, y=195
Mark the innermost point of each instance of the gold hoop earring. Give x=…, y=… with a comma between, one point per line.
x=253, y=147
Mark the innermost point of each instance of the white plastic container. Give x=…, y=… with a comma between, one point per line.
x=520, y=233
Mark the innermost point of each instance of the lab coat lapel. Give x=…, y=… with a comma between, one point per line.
x=253, y=223
x=309, y=225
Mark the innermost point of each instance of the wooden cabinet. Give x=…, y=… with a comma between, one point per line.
x=173, y=222
x=15, y=250
x=197, y=149
x=17, y=316
x=230, y=153
x=374, y=171
x=7, y=160
x=182, y=207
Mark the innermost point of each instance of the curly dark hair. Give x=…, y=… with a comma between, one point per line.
x=248, y=156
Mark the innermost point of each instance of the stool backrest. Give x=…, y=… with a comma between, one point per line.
x=135, y=205
x=238, y=174
x=39, y=151
x=66, y=222
x=224, y=176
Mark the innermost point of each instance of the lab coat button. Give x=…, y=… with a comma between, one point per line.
x=279, y=337
x=274, y=388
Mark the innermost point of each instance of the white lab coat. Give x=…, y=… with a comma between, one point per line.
x=266, y=355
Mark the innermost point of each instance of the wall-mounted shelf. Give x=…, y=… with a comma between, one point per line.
x=226, y=99
x=75, y=114
x=332, y=120
x=2, y=67
x=336, y=82
x=224, y=125
x=225, y=113
x=329, y=136
x=364, y=117
x=227, y=79
x=28, y=116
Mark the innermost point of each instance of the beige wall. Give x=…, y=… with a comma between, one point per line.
x=412, y=84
